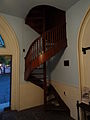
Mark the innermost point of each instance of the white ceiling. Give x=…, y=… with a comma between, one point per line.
x=20, y=8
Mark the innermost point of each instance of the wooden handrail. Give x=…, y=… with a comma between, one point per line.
x=48, y=40
x=51, y=30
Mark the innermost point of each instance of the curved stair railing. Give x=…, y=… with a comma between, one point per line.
x=47, y=45
x=44, y=47
x=41, y=50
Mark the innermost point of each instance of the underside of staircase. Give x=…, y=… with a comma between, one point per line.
x=50, y=23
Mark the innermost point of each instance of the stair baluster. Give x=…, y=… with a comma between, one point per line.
x=40, y=51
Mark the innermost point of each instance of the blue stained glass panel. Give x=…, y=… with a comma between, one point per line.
x=1, y=42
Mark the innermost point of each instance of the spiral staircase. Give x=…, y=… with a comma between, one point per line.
x=50, y=23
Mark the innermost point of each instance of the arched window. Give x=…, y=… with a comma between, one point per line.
x=1, y=42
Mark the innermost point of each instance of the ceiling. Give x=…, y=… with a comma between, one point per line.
x=20, y=8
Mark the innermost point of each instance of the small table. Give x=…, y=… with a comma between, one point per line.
x=84, y=107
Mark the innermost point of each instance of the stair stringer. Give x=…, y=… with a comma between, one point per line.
x=41, y=50
x=62, y=106
x=59, y=45
x=45, y=57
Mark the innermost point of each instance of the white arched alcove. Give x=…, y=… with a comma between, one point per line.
x=11, y=48
x=84, y=59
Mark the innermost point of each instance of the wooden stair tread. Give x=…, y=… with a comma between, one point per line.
x=39, y=73
x=52, y=40
x=56, y=108
x=36, y=81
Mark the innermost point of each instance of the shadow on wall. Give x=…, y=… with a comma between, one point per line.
x=53, y=62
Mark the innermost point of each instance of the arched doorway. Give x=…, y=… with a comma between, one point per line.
x=11, y=48
x=84, y=57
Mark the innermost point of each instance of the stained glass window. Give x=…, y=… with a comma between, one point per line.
x=1, y=42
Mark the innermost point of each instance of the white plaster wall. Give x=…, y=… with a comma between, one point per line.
x=25, y=36
x=30, y=95
x=69, y=75
x=70, y=96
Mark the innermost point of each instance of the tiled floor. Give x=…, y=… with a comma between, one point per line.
x=36, y=113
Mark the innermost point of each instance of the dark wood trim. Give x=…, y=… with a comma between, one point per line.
x=51, y=15
x=44, y=57
x=50, y=22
